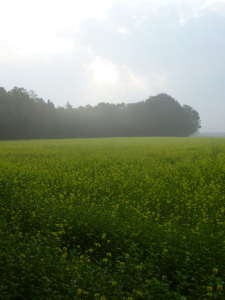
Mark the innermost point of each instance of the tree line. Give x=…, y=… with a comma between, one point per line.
x=23, y=115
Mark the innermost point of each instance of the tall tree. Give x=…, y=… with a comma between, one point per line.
x=193, y=116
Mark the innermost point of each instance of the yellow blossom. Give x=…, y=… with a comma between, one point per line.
x=219, y=288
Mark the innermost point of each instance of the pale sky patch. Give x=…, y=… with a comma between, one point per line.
x=123, y=30
x=137, y=81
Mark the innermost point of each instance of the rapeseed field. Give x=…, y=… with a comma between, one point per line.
x=118, y=218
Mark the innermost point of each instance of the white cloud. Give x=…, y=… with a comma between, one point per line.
x=216, y=5
x=182, y=21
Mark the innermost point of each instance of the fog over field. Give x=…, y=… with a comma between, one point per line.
x=87, y=52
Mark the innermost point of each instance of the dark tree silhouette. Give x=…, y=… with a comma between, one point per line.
x=25, y=116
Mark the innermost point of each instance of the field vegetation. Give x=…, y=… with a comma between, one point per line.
x=117, y=218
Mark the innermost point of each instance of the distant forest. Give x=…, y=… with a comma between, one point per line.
x=25, y=116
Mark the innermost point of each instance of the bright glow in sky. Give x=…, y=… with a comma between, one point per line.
x=41, y=25
x=73, y=50
x=103, y=71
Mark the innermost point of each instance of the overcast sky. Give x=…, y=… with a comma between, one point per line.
x=92, y=51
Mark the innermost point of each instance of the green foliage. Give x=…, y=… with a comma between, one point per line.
x=25, y=116
x=137, y=218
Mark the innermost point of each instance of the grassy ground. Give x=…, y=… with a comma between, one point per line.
x=119, y=218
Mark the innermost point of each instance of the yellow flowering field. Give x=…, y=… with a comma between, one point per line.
x=117, y=218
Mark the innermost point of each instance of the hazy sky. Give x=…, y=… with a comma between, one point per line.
x=92, y=51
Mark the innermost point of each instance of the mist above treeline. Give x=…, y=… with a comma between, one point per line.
x=23, y=115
